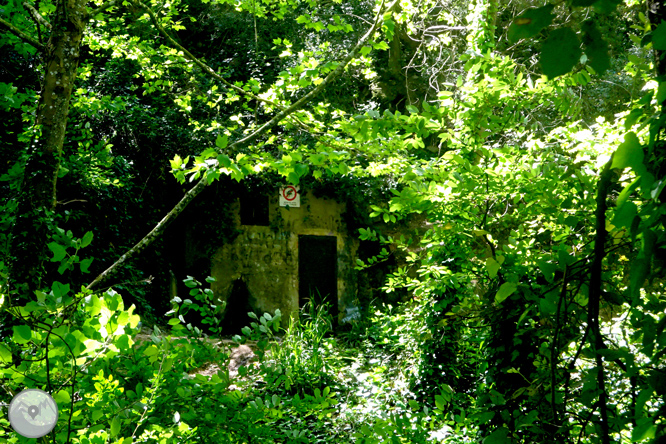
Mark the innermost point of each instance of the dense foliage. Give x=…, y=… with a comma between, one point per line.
x=524, y=140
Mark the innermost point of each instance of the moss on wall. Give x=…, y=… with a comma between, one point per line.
x=265, y=258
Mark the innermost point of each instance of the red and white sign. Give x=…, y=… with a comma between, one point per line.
x=290, y=196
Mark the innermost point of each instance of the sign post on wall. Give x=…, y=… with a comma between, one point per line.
x=290, y=196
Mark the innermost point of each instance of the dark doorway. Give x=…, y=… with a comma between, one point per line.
x=317, y=271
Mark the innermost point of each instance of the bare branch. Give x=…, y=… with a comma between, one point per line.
x=441, y=29
x=22, y=35
x=201, y=185
x=36, y=15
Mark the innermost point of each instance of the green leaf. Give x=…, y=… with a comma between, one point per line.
x=365, y=50
x=176, y=162
x=62, y=397
x=596, y=47
x=5, y=354
x=59, y=252
x=505, y=290
x=301, y=169
x=59, y=290
x=560, y=52
x=84, y=264
x=626, y=192
x=640, y=268
x=629, y=153
x=547, y=306
x=22, y=334
x=150, y=351
x=645, y=429
x=625, y=214
x=530, y=22
x=547, y=269
x=492, y=266
x=87, y=238
x=583, y=3
x=659, y=37
x=499, y=436
x=606, y=6
x=221, y=141
x=484, y=417
x=115, y=426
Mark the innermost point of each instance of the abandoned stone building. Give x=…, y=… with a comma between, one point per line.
x=291, y=246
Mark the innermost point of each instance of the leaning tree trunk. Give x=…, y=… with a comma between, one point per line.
x=38, y=194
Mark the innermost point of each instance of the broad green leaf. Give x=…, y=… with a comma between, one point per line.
x=547, y=269
x=221, y=141
x=625, y=214
x=301, y=169
x=176, y=162
x=62, y=397
x=150, y=351
x=530, y=22
x=629, y=153
x=505, y=290
x=5, y=354
x=22, y=334
x=59, y=290
x=499, y=436
x=59, y=252
x=85, y=264
x=645, y=429
x=94, y=305
x=560, y=52
x=123, y=319
x=115, y=426
x=659, y=37
x=596, y=47
x=484, y=417
x=640, y=268
x=547, y=306
x=626, y=192
x=366, y=50
x=606, y=6
x=492, y=266
x=583, y=3
x=87, y=238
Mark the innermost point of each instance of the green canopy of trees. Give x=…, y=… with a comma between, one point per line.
x=526, y=136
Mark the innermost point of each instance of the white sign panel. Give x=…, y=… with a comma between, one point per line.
x=290, y=196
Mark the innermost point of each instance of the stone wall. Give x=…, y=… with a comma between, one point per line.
x=265, y=258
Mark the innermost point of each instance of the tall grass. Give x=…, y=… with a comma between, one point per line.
x=302, y=360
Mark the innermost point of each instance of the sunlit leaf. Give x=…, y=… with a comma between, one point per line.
x=505, y=290
x=629, y=153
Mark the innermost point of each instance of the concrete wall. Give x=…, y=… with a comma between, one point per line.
x=266, y=257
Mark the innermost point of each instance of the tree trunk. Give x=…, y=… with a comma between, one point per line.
x=38, y=194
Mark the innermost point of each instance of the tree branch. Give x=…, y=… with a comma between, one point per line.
x=596, y=341
x=201, y=185
x=22, y=35
x=36, y=15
